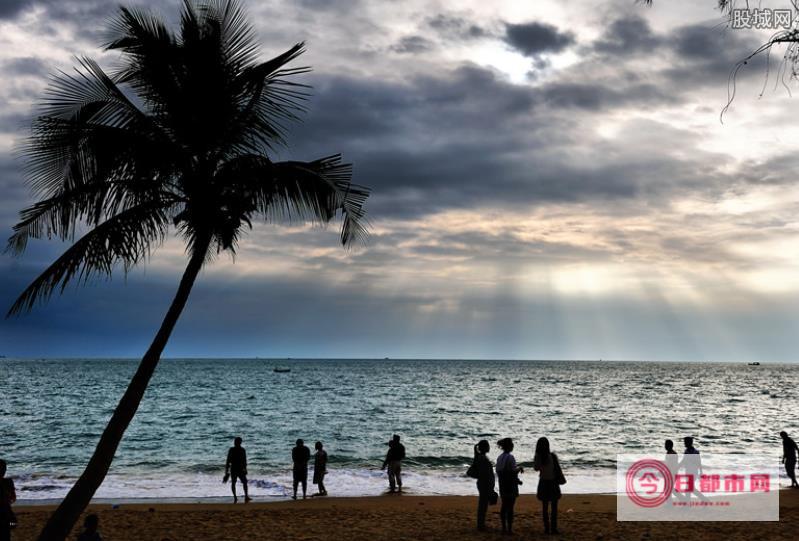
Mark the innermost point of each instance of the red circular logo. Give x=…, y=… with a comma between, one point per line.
x=649, y=472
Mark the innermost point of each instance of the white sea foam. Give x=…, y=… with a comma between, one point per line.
x=348, y=483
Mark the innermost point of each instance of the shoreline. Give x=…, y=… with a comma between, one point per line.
x=262, y=500
x=393, y=517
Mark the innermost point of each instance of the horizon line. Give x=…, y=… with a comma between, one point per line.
x=345, y=358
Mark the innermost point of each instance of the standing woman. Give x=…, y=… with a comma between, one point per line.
x=550, y=479
x=320, y=468
x=508, y=473
x=484, y=473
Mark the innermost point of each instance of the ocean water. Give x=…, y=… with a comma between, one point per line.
x=52, y=412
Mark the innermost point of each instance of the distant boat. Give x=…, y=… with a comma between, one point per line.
x=282, y=370
x=754, y=364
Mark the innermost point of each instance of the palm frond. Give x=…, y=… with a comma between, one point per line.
x=236, y=36
x=60, y=216
x=91, y=154
x=56, y=216
x=75, y=108
x=269, y=100
x=150, y=57
x=135, y=31
x=309, y=191
x=126, y=238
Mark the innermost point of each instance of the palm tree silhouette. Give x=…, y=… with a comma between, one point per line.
x=176, y=139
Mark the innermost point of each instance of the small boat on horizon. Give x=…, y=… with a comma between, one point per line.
x=281, y=370
x=754, y=364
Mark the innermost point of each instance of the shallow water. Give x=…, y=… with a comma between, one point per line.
x=52, y=412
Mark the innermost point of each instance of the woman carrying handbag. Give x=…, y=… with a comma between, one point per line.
x=549, y=481
x=482, y=470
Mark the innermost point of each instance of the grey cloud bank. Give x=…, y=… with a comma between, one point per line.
x=506, y=209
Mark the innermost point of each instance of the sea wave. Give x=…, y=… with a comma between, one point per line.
x=278, y=485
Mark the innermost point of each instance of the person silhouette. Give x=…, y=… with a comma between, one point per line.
x=8, y=495
x=320, y=467
x=688, y=441
x=393, y=461
x=90, y=525
x=236, y=468
x=508, y=473
x=692, y=465
x=789, y=449
x=484, y=472
x=672, y=462
x=545, y=462
x=669, y=446
x=300, y=455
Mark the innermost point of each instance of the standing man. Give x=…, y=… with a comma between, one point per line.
x=393, y=461
x=300, y=455
x=789, y=449
x=8, y=495
x=692, y=465
x=236, y=468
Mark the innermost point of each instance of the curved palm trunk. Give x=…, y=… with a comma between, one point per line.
x=66, y=515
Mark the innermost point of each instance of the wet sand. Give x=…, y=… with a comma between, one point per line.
x=395, y=518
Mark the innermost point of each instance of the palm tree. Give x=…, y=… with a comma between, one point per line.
x=176, y=139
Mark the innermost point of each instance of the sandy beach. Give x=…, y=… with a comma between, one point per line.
x=397, y=518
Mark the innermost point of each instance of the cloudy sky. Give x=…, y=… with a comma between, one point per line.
x=551, y=180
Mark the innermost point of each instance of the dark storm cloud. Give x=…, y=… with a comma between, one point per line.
x=457, y=27
x=533, y=39
x=61, y=10
x=14, y=192
x=598, y=97
x=413, y=45
x=85, y=20
x=25, y=65
x=10, y=8
x=778, y=170
x=477, y=245
x=628, y=35
x=700, y=54
x=443, y=28
x=327, y=5
x=469, y=137
x=706, y=53
x=700, y=42
x=14, y=123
